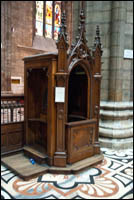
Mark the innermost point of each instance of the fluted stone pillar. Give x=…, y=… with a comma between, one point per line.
x=118, y=17
x=116, y=125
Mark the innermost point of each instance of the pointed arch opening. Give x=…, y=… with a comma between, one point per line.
x=77, y=94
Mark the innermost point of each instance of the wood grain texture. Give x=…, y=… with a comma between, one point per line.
x=66, y=131
x=12, y=137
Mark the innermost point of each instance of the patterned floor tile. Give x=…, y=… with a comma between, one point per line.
x=111, y=179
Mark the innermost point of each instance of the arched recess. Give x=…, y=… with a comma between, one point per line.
x=79, y=93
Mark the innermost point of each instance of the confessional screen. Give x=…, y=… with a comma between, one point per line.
x=77, y=95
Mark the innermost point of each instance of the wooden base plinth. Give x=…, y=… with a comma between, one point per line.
x=22, y=167
x=60, y=159
x=50, y=161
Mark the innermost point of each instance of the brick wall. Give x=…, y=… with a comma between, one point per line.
x=17, y=29
x=19, y=40
x=5, y=45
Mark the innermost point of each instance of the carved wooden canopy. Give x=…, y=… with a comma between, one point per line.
x=79, y=50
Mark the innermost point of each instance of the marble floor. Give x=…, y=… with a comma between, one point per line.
x=111, y=179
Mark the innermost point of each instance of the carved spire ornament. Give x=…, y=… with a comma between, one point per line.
x=80, y=50
x=62, y=34
x=81, y=28
x=62, y=45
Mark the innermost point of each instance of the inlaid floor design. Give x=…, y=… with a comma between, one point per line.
x=112, y=179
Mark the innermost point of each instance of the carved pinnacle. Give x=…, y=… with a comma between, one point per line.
x=63, y=26
x=62, y=32
x=81, y=28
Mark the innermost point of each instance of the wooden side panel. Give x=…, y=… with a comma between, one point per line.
x=96, y=93
x=12, y=136
x=81, y=140
x=60, y=154
x=61, y=77
x=51, y=128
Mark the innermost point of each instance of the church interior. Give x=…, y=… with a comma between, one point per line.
x=66, y=99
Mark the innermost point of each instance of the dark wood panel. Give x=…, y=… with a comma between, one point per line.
x=80, y=141
x=18, y=126
x=12, y=137
x=3, y=142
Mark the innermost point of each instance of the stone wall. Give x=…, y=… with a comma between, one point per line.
x=97, y=13
x=128, y=63
x=116, y=22
x=68, y=6
x=75, y=20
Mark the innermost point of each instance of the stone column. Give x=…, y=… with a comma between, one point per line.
x=116, y=129
x=118, y=17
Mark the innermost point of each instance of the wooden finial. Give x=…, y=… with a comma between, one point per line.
x=81, y=28
x=63, y=27
x=62, y=45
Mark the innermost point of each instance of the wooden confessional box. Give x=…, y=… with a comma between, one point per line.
x=62, y=102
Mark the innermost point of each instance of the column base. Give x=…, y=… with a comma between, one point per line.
x=116, y=143
x=116, y=125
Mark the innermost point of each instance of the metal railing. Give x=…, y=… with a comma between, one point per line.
x=12, y=108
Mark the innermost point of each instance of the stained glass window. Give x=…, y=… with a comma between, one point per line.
x=39, y=18
x=48, y=27
x=48, y=18
x=57, y=20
